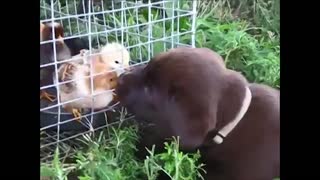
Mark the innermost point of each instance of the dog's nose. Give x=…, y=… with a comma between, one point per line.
x=121, y=79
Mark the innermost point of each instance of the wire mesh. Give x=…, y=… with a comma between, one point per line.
x=145, y=28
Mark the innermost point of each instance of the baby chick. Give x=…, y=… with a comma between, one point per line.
x=65, y=49
x=116, y=55
x=47, y=54
x=104, y=78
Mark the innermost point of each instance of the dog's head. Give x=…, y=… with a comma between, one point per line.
x=131, y=90
x=187, y=92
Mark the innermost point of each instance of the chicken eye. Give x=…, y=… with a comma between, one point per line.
x=117, y=62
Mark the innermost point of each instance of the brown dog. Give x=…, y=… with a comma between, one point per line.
x=188, y=92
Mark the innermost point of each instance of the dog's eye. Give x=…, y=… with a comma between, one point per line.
x=117, y=62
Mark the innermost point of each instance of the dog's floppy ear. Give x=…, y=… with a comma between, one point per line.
x=233, y=104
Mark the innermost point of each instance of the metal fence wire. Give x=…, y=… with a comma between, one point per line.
x=77, y=37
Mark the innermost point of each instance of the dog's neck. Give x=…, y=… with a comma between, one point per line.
x=218, y=139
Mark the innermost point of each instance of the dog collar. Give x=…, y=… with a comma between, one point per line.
x=219, y=137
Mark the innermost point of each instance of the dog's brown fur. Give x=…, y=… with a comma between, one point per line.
x=188, y=92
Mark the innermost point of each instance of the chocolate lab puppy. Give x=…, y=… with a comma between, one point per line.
x=188, y=92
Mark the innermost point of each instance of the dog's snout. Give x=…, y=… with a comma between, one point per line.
x=121, y=79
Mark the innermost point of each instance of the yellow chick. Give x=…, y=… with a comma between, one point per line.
x=116, y=55
x=104, y=79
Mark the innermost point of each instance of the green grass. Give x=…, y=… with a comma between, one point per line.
x=173, y=163
x=256, y=56
x=56, y=169
x=110, y=156
x=246, y=33
x=249, y=44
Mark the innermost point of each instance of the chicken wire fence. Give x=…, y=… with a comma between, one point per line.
x=145, y=28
